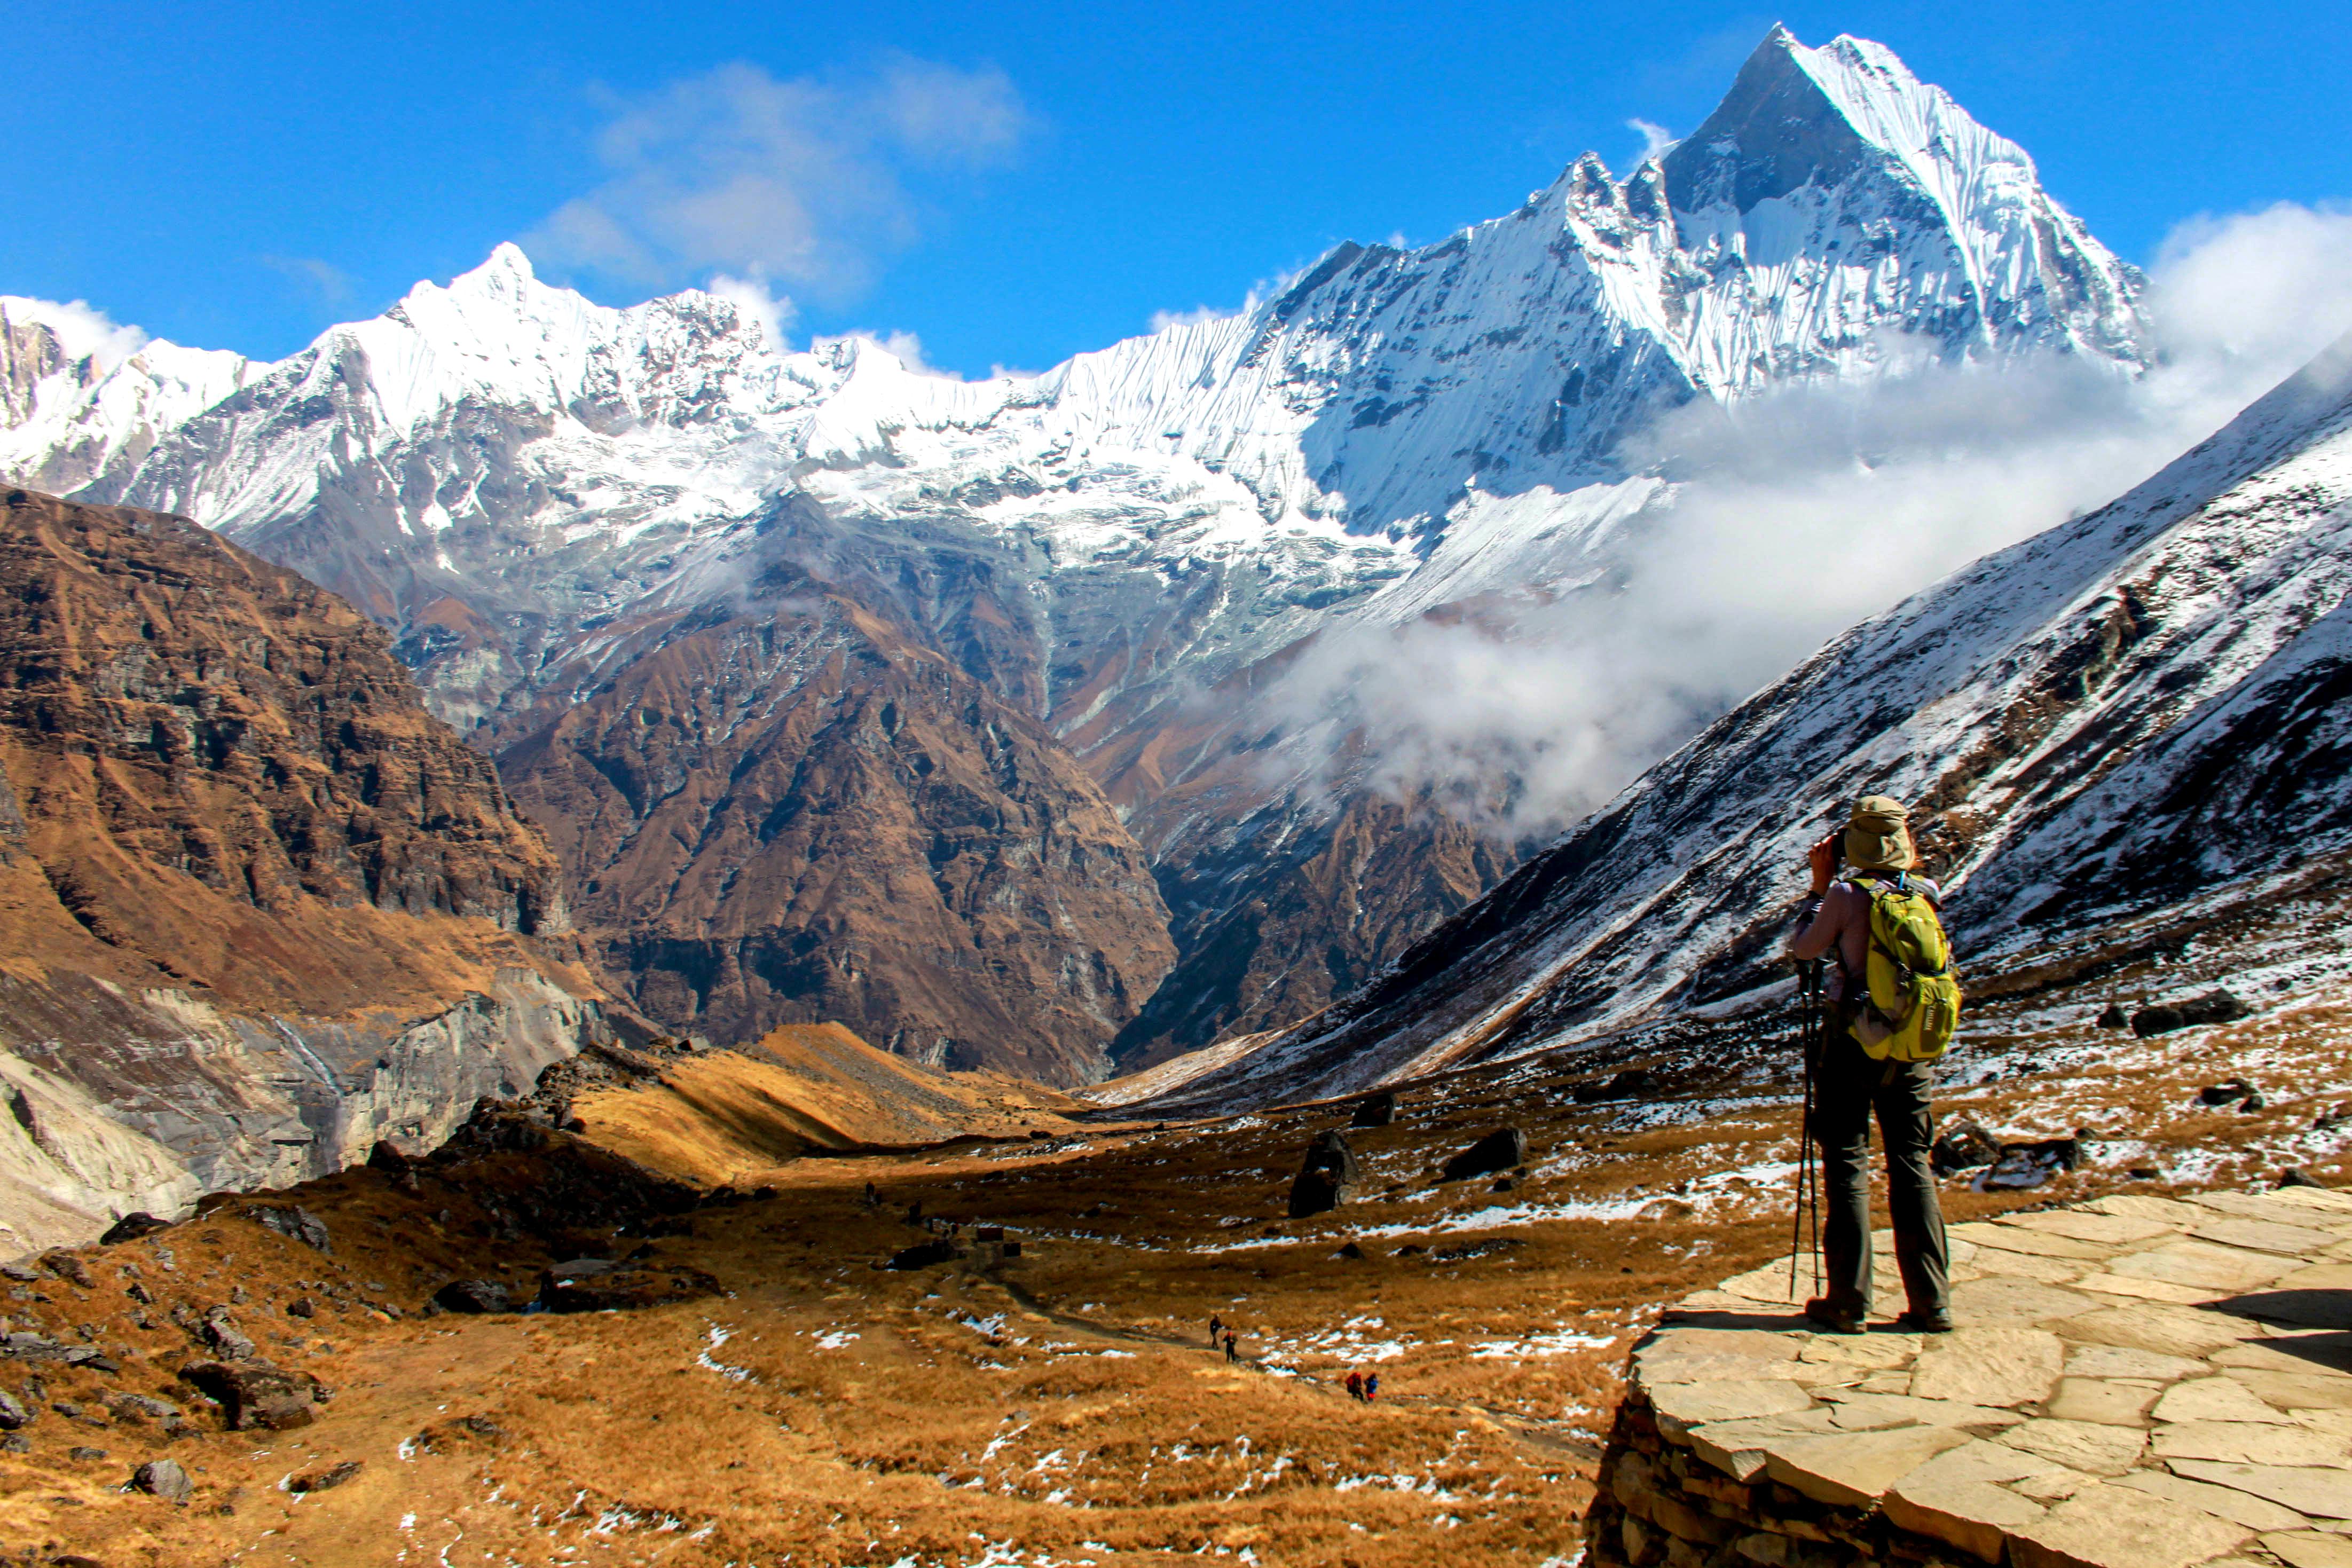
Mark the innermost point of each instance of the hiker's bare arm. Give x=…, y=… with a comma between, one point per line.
x=1819, y=931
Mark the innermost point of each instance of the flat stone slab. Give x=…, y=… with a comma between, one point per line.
x=2135, y=1383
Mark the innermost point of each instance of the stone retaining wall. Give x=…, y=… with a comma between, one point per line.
x=2136, y=1382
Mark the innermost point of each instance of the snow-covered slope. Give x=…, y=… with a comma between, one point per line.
x=516, y=447
x=499, y=468
x=2114, y=718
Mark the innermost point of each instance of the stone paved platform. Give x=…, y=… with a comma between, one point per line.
x=2136, y=1382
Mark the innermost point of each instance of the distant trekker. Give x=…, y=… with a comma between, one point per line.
x=1233, y=1345
x=1892, y=1005
x=1356, y=1386
x=1216, y=1331
x=1371, y=1388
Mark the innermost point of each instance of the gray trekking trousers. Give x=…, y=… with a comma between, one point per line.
x=1848, y=1087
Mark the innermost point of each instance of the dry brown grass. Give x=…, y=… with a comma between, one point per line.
x=1066, y=1397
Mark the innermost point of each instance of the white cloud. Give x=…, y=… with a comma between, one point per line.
x=83, y=330
x=1801, y=511
x=804, y=182
x=774, y=312
x=1656, y=138
x=330, y=282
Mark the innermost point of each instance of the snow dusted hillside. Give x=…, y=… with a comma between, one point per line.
x=1127, y=547
x=2112, y=717
x=77, y=399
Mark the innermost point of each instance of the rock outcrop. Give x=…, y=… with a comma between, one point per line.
x=260, y=909
x=2138, y=1380
x=794, y=814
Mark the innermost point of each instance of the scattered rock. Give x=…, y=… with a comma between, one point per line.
x=386, y=1156
x=129, y=1407
x=1505, y=1185
x=1352, y=1250
x=299, y=1224
x=132, y=1227
x=256, y=1392
x=86, y=1454
x=19, y=1272
x=1963, y=1145
x=13, y=1412
x=924, y=1254
x=2297, y=1177
x=326, y=1480
x=300, y=1307
x=1375, y=1111
x=2213, y=1007
x=2225, y=1093
x=2115, y=1016
x=164, y=1479
x=1327, y=1178
x=1498, y=1150
x=473, y=1296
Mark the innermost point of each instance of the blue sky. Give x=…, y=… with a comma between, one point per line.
x=1010, y=183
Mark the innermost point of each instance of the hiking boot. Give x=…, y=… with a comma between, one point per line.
x=1829, y=1318
x=1917, y=1322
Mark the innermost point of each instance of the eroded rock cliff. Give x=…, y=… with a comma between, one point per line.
x=259, y=908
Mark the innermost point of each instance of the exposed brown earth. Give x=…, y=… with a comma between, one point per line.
x=797, y=814
x=228, y=824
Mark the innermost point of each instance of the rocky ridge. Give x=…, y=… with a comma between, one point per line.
x=794, y=814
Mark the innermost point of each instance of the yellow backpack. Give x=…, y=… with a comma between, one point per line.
x=1913, y=1003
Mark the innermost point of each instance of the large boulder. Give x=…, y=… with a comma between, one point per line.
x=254, y=1393
x=641, y=1282
x=2214, y=1007
x=1964, y=1145
x=1498, y=1150
x=1625, y=1085
x=473, y=1296
x=132, y=1227
x=164, y=1479
x=1325, y=1179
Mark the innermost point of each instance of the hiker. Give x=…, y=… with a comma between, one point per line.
x=873, y=1195
x=1892, y=1075
x=1371, y=1388
x=1356, y=1386
x=1216, y=1330
x=1233, y=1345
x=915, y=1212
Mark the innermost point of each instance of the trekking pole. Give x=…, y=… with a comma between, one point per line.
x=1809, y=1031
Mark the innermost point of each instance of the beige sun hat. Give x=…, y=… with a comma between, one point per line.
x=1878, y=837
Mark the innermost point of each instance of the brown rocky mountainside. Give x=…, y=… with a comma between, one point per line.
x=792, y=812
x=259, y=907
